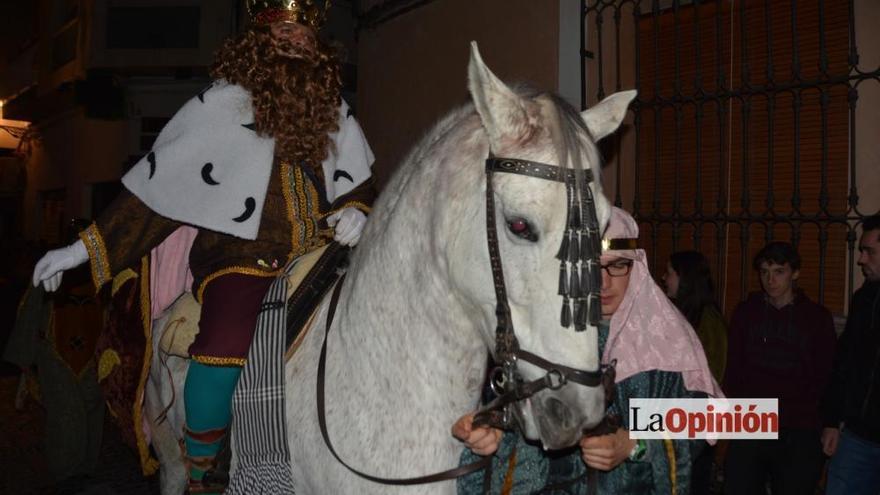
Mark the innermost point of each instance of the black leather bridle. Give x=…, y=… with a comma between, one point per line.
x=579, y=284
x=580, y=281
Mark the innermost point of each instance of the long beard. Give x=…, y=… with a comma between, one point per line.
x=286, y=97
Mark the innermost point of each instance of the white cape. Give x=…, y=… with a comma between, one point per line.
x=209, y=168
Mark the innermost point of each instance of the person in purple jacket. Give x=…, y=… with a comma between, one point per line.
x=780, y=345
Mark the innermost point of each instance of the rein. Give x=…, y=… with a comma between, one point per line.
x=449, y=474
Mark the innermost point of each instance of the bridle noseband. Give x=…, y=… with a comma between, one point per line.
x=579, y=284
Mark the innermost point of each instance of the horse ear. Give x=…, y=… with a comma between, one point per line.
x=502, y=111
x=603, y=118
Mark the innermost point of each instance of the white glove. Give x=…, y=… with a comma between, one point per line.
x=349, y=223
x=52, y=265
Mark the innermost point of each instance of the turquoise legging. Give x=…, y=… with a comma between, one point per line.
x=207, y=397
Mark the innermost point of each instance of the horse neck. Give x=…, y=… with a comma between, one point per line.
x=400, y=318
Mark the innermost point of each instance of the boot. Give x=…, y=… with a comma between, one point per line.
x=204, y=477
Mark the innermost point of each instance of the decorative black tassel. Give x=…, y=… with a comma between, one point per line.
x=580, y=321
x=595, y=277
x=573, y=248
x=586, y=247
x=586, y=281
x=562, y=254
x=589, y=243
x=588, y=212
x=574, y=285
x=565, y=318
x=595, y=309
x=583, y=247
x=563, y=288
x=575, y=220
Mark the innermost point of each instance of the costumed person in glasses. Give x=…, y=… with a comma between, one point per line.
x=657, y=355
x=268, y=164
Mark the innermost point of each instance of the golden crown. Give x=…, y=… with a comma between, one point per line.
x=307, y=12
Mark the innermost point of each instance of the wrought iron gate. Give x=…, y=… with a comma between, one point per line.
x=744, y=130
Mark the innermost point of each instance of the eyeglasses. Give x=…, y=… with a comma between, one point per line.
x=618, y=268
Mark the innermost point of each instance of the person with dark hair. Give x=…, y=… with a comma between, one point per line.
x=688, y=282
x=268, y=164
x=780, y=345
x=851, y=406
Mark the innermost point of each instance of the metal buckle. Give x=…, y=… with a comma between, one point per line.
x=498, y=380
x=562, y=380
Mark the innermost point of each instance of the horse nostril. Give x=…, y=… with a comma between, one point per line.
x=559, y=412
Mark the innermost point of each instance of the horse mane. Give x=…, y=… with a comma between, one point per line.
x=575, y=136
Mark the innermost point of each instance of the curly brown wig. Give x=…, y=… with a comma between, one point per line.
x=295, y=101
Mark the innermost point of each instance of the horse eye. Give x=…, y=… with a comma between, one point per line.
x=521, y=228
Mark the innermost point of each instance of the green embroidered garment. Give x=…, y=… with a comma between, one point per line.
x=526, y=468
x=68, y=388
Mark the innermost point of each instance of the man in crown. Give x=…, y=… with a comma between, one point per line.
x=267, y=164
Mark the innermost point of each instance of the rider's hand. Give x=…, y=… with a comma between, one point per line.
x=830, y=437
x=606, y=452
x=349, y=223
x=482, y=440
x=52, y=265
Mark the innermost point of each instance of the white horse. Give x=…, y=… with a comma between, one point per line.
x=408, y=345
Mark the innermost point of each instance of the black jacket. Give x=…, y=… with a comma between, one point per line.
x=853, y=394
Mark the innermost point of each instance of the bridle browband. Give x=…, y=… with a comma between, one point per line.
x=580, y=281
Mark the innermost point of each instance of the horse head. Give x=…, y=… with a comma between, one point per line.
x=531, y=214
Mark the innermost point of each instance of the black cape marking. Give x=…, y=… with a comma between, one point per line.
x=249, y=205
x=201, y=94
x=342, y=174
x=206, y=174
x=151, y=157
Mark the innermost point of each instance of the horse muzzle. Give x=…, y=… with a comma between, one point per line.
x=559, y=417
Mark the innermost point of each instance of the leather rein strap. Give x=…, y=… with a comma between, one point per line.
x=449, y=474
